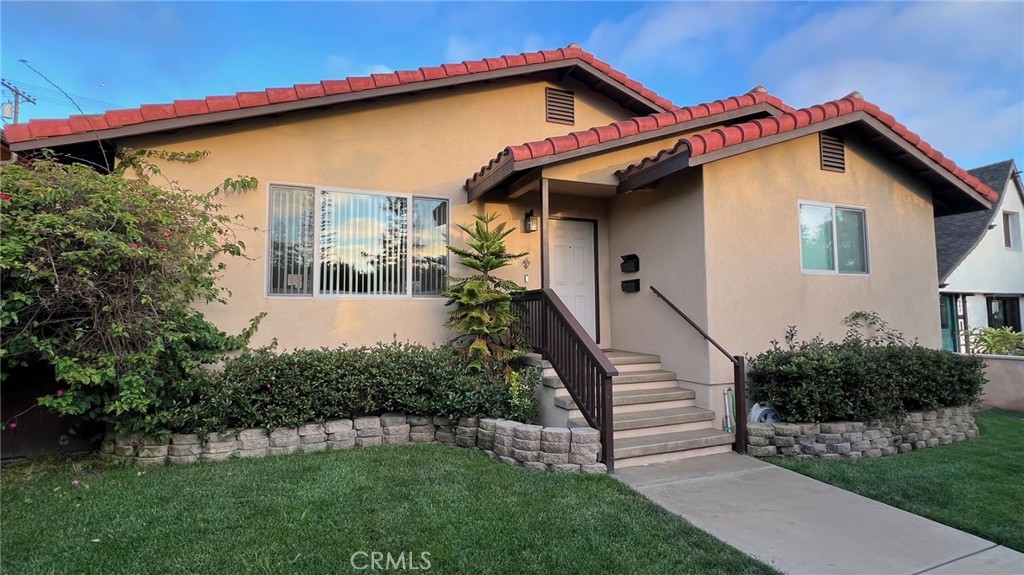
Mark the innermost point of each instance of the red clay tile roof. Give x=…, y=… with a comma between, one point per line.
x=38, y=129
x=622, y=129
x=720, y=138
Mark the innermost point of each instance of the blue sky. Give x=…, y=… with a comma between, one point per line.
x=953, y=72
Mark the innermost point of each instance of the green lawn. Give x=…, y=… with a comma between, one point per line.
x=309, y=513
x=976, y=486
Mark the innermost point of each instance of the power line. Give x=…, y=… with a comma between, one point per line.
x=68, y=96
x=18, y=95
x=45, y=93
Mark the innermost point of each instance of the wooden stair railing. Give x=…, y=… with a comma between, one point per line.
x=739, y=370
x=584, y=369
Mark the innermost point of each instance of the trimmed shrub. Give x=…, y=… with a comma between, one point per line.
x=261, y=388
x=861, y=378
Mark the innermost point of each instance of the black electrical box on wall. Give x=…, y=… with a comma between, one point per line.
x=631, y=286
x=630, y=264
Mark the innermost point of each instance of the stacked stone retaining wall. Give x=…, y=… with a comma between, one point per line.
x=854, y=439
x=560, y=449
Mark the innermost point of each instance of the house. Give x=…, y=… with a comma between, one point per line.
x=745, y=214
x=981, y=261
x=5, y=150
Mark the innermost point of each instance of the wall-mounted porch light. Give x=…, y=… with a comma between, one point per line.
x=530, y=222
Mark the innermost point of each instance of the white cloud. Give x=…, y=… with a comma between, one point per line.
x=674, y=34
x=952, y=72
x=460, y=48
x=338, y=65
x=535, y=43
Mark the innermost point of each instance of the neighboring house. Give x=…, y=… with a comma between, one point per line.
x=5, y=150
x=747, y=214
x=981, y=261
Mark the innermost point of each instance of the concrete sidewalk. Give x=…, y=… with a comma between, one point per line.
x=802, y=526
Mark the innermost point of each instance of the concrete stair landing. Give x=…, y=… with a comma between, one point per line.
x=656, y=420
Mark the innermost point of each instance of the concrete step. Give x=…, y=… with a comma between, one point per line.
x=652, y=395
x=622, y=357
x=624, y=362
x=646, y=376
x=628, y=409
x=656, y=419
x=552, y=381
x=660, y=417
x=637, y=399
x=648, y=379
x=672, y=428
x=672, y=456
x=630, y=361
x=666, y=446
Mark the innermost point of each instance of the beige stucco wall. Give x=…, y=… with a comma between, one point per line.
x=1005, y=387
x=560, y=206
x=665, y=228
x=755, y=284
x=421, y=144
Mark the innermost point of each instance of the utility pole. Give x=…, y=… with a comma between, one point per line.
x=18, y=95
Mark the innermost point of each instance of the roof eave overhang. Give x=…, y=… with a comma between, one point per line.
x=572, y=67
x=508, y=167
x=647, y=176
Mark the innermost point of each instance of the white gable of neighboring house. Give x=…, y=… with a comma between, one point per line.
x=992, y=268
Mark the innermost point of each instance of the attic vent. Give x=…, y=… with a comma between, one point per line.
x=560, y=106
x=833, y=154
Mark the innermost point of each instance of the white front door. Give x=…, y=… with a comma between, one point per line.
x=572, y=270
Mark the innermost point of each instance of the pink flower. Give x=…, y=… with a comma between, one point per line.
x=167, y=234
x=160, y=247
x=12, y=425
x=60, y=393
x=135, y=245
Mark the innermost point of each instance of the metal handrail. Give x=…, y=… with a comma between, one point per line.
x=728, y=355
x=584, y=369
x=739, y=372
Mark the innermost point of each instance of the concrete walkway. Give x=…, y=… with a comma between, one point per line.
x=802, y=526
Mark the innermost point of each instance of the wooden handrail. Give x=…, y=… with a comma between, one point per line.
x=739, y=373
x=584, y=369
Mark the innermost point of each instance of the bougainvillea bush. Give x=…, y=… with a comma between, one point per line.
x=100, y=273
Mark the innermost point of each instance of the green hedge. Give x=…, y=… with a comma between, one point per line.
x=861, y=379
x=264, y=389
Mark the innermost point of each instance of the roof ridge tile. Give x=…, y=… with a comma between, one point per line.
x=719, y=138
x=637, y=125
x=251, y=99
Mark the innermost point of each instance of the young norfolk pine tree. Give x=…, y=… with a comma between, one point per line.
x=483, y=303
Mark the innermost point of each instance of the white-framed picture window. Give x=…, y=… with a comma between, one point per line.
x=342, y=242
x=833, y=239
